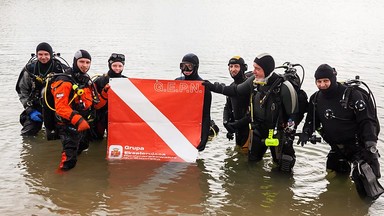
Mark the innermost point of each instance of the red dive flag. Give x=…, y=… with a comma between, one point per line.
x=154, y=119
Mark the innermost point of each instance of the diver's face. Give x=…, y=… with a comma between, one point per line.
x=84, y=64
x=323, y=83
x=258, y=72
x=234, y=69
x=43, y=56
x=186, y=68
x=117, y=67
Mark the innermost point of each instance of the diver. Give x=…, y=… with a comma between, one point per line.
x=350, y=130
x=29, y=87
x=273, y=112
x=75, y=98
x=236, y=108
x=116, y=64
x=189, y=68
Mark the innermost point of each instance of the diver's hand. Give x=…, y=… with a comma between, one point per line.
x=230, y=136
x=215, y=87
x=104, y=92
x=303, y=138
x=80, y=123
x=106, y=87
x=229, y=126
x=83, y=126
x=36, y=116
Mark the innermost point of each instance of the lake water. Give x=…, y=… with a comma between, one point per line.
x=154, y=36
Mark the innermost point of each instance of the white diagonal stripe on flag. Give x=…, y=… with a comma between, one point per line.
x=133, y=97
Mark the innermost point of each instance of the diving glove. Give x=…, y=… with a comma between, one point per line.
x=230, y=136
x=303, y=138
x=215, y=87
x=36, y=116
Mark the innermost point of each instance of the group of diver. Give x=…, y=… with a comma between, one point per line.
x=65, y=99
x=263, y=110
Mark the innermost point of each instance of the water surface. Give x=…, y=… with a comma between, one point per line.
x=154, y=35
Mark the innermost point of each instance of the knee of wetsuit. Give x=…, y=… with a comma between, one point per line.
x=252, y=156
x=82, y=147
x=51, y=134
x=23, y=117
x=289, y=150
x=287, y=162
x=256, y=153
x=337, y=163
x=30, y=128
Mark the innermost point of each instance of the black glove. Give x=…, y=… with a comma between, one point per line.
x=201, y=147
x=216, y=87
x=244, y=121
x=208, y=85
x=230, y=136
x=303, y=138
x=229, y=126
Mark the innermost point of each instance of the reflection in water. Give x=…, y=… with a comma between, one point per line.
x=255, y=188
x=150, y=188
x=322, y=193
x=78, y=192
x=352, y=202
x=309, y=175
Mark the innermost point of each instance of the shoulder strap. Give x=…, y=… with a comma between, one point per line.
x=314, y=102
x=346, y=95
x=275, y=84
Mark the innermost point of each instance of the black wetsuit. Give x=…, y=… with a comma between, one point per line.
x=280, y=105
x=235, y=111
x=100, y=124
x=206, y=121
x=29, y=87
x=345, y=129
